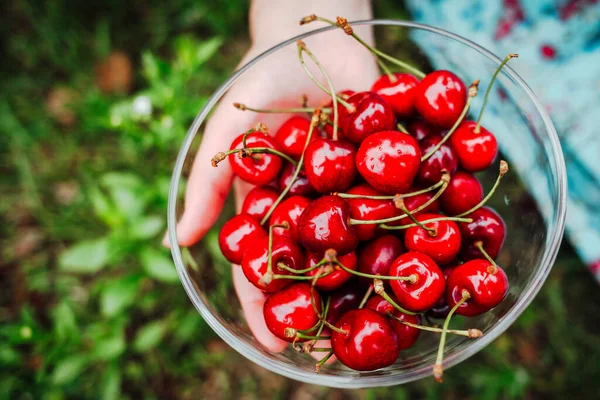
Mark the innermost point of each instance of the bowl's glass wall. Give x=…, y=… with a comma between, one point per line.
x=534, y=226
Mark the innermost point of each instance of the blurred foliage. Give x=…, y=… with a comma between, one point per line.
x=95, y=100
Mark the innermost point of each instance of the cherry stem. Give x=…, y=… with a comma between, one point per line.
x=298, y=277
x=489, y=89
x=402, y=129
x=303, y=336
x=399, y=227
x=268, y=276
x=366, y=297
x=445, y=180
x=470, y=333
x=244, y=107
x=378, y=287
x=343, y=23
x=314, y=121
x=302, y=271
x=331, y=92
x=390, y=197
x=438, y=368
x=461, y=117
x=248, y=152
x=431, y=231
x=320, y=349
x=312, y=302
x=322, y=325
x=386, y=70
x=260, y=127
x=502, y=171
x=323, y=361
x=409, y=278
x=479, y=245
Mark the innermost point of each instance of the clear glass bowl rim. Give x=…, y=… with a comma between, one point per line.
x=292, y=372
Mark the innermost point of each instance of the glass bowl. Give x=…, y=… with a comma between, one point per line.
x=532, y=204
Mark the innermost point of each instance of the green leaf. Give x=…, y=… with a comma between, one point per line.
x=146, y=227
x=207, y=49
x=117, y=295
x=85, y=257
x=111, y=385
x=126, y=190
x=102, y=207
x=68, y=369
x=158, y=266
x=149, y=336
x=65, y=325
x=110, y=347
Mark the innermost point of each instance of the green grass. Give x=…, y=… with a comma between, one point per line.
x=89, y=303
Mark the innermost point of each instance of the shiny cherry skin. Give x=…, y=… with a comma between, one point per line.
x=420, y=129
x=258, y=201
x=475, y=151
x=444, y=159
x=259, y=169
x=344, y=299
x=291, y=307
x=324, y=225
x=487, y=227
x=487, y=285
x=291, y=136
x=441, y=309
x=399, y=94
x=301, y=186
x=369, y=341
x=289, y=210
x=335, y=279
x=237, y=235
x=407, y=336
x=371, y=114
x=345, y=95
x=389, y=161
x=428, y=288
x=440, y=98
x=376, y=257
x=414, y=202
x=463, y=193
x=443, y=247
x=369, y=209
x=330, y=165
x=255, y=260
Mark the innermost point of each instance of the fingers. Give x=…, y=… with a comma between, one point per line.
x=252, y=300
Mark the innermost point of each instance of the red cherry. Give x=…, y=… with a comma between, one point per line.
x=324, y=225
x=413, y=202
x=463, y=193
x=301, y=187
x=420, y=129
x=441, y=309
x=475, y=151
x=400, y=94
x=368, y=209
x=440, y=98
x=342, y=300
x=488, y=228
x=389, y=161
x=407, y=336
x=487, y=285
x=237, y=235
x=258, y=201
x=444, y=159
x=258, y=169
x=425, y=292
x=372, y=114
x=335, y=279
x=369, y=341
x=289, y=210
x=345, y=95
x=443, y=247
x=255, y=260
x=291, y=308
x=376, y=256
x=330, y=165
x=291, y=136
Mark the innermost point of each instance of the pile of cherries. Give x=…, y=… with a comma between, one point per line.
x=359, y=226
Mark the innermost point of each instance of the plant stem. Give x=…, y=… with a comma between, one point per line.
x=323, y=361
x=390, y=197
x=399, y=227
x=503, y=171
x=431, y=231
x=386, y=70
x=379, y=289
x=489, y=89
x=244, y=107
x=384, y=277
x=312, y=301
x=366, y=297
x=402, y=129
x=245, y=152
x=470, y=333
x=472, y=94
x=438, y=368
x=479, y=245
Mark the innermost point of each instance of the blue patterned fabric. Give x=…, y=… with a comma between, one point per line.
x=559, y=47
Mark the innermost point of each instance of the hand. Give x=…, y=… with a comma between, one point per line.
x=277, y=81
